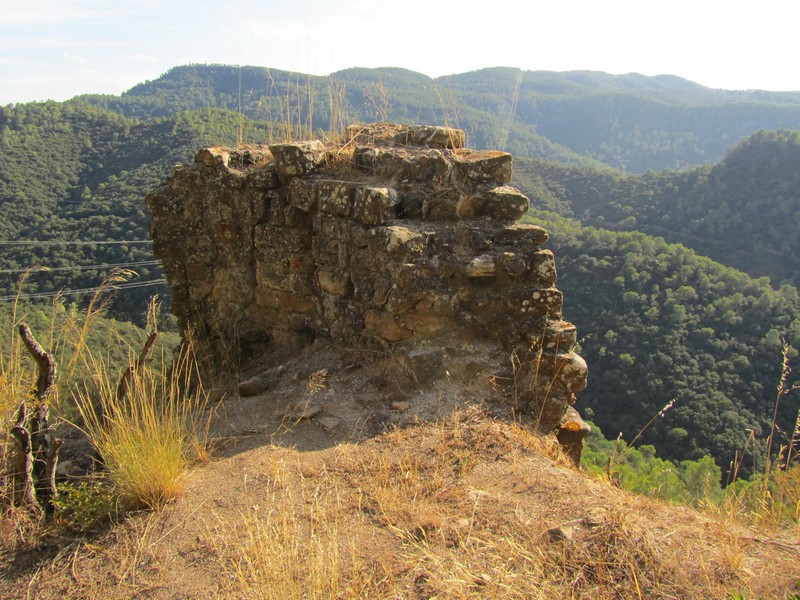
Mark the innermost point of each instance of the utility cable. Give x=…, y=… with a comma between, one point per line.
x=120, y=286
x=68, y=242
x=45, y=269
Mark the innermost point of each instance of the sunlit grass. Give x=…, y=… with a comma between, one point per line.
x=147, y=438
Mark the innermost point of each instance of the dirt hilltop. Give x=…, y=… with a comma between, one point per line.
x=305, y=498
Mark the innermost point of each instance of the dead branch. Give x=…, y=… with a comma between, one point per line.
x=45, y=361
x=25, y=474
x=50, y=472
x=32, y=431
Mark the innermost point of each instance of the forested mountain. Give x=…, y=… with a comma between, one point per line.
x=743, y=211
x=630, y=121
x=74, y=173
x=660, y=321
x=306, y=105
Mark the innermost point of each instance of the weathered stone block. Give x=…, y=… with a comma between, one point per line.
x=374, y=206
x=431, y=136
x=505, y=203
x=215, y=157
x=542, y=267
x=572, y=372
x=406, y=135
x=297, y=159
x=264, y=178
x=536, y=302
x=440, y=206
x=522, y=233
x=480, y=167
x=380, y=162
x=336, y=197
x=481, y=266
x=512, y=265
x=303, y=195
x=400, y=240
x=431, y=167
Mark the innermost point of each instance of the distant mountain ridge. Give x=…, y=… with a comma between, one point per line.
x=631, y=122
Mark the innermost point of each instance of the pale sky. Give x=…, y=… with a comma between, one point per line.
x=56, y=49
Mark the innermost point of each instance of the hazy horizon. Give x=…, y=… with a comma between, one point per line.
x=57, y=50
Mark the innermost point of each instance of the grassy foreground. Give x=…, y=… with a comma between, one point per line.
x=470, y=507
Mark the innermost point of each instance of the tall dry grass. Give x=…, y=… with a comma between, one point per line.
x=148, y=437
x=281, y=556
x=771, y=498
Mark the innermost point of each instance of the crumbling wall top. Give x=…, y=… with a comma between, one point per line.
x=398, y=234
x=381, y=134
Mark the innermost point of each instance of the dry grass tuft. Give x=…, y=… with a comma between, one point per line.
x=281, y=557
x=292, y=545
x=148, y=438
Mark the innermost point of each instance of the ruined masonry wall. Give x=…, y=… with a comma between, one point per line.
x=398, y=235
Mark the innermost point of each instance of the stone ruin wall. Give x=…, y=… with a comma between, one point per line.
x=395, y=236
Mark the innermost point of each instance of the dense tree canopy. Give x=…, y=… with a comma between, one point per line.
x=743, y=211
x=660, y=323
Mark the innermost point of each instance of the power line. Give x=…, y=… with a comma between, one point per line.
x=45, y=269
x=68, y=242
x=56, y=203
x=121, y=286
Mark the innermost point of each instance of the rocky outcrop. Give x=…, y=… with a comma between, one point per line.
x=397, y=235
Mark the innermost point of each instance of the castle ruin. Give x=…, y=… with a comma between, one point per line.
x=397, y=235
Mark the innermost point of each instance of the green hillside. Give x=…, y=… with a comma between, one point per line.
x=630, y=121
x=74, y=173
x=743, y=211
x=660, y=323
